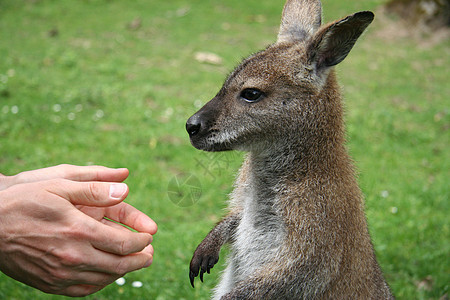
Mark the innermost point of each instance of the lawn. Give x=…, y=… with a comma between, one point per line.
x=112, y=83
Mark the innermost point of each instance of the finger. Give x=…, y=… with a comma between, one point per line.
x=80, y=290
x=76, y=173
x=93, y=278
x=109, y=240
x=118, y=241
x=115, y=225
x=87, y=278
x=132, y=217
x=88, y=193
x=119, y=265
x=149, y=249
x=93, y=173
x=133, y=262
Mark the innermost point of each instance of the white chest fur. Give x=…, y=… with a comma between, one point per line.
x=258, y=236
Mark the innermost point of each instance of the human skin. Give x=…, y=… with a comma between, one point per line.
x=56, y=232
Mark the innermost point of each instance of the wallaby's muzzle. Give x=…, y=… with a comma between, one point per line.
x=200, y=128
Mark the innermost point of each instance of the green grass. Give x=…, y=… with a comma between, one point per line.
x=79, y=85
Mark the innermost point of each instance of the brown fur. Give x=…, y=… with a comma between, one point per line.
x=296, y=224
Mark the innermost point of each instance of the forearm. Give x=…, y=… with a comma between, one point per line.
x=207, y=253
x=224, y=230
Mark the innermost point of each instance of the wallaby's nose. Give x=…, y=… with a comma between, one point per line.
x=193, y=125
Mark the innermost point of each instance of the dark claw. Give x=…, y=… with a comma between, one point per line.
x=211, y=264
x=201, y=275
x=191, y=278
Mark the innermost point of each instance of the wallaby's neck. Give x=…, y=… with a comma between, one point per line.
x=312, y=148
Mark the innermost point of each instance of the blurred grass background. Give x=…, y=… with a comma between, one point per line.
x=112, y=83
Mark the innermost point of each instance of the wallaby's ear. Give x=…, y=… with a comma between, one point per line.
x=331, y=44
x=300, y=20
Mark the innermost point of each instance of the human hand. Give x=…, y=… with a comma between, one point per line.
x=54, y=235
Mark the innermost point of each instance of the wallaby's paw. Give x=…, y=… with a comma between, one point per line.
x=203, y=261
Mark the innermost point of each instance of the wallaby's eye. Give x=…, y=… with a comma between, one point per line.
x=252, y=95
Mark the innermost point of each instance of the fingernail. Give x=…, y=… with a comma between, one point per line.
x=117, y=190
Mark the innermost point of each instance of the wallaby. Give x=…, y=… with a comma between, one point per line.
x=296, y=223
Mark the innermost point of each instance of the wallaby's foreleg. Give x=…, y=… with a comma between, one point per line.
x=207, y=253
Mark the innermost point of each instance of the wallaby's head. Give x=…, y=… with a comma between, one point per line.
x=285, y=94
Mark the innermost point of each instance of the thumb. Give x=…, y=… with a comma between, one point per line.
x=88, y=193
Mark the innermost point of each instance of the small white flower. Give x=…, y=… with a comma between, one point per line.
x=384, y=194
x=78, y=107
x=71, y=116
x=3, y=79
x=14, y=109
x=120, y=281
x=394, y=210
x=99, y=113
x=57, y=107
x=11, y=73
x=136, y=284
